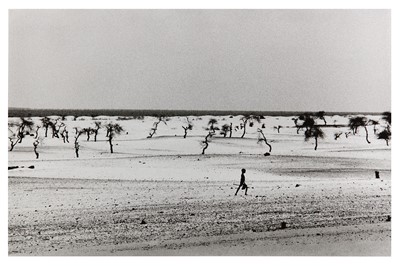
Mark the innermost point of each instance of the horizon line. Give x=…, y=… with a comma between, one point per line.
x=186, y=110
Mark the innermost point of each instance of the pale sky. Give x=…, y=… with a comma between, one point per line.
x=269, y=60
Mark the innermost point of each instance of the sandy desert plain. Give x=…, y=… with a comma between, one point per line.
x=160, y=196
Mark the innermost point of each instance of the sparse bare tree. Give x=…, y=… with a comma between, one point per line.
x=46, y=121
x=206, y=141
x=321, y=115
x=35, y=145
x=187, y=127
x=64, y=134
x=373, y=123
x=248, y=118
x=278, y=128
x=59, y=126
x=298, y=129
x=295, y=119
x=113, y=130
x=155, y=126
x=212, y=122
x=262, y=138
x=23, y=128
x=88, y=131
x=337, y=135
x=77, y=146
x=386, y=135
x=37, y=132
x=354, y=124
x=78, y=133
x=96, y=129
x=314, y=132
x=107, y=132
x=54, y=127
x=359, y=121
x=387, y=116
x=224, y=130
x=53, y=130
x=308, y=122
x=13, y=141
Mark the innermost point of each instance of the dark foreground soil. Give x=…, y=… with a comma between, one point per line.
x=112, y=217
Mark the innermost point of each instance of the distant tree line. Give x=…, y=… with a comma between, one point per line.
x=306, y=122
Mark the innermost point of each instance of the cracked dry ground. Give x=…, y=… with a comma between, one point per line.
x=82, y=217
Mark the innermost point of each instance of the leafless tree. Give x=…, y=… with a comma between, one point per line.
x=55, y=127
x=37, y=132
x=23, y=128
x=359, y=121
x=46, y=121
x=64, y=134
x=206, y=141
x=262, y=138
x=96, y=129
x=212, y=122
x=250, y=118
x=188, y=126
x=387, y=116
x=13, y=142
x=278, y=128
x=321, y=115
x=337, y=135
x=88, y=131
x=307, y=124
x=295, y=119
x=314, y=132
x=76, y=143
x=113, y=130
x=373, y=123
x=59, y=125
x=35, y=145
x=76, y=130
x=386, y=135
x=224, y=130
x=155, y=126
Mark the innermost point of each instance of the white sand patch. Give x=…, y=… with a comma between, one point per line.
x=98, y=200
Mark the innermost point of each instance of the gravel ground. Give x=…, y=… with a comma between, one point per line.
x=73, y=216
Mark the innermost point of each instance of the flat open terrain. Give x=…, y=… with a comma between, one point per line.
x=160, y=196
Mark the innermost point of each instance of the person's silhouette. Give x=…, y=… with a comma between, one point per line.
x=242, y=183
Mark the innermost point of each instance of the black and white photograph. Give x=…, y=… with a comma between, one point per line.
x=199, y=132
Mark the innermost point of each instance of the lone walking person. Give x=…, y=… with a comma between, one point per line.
x=242, y=183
